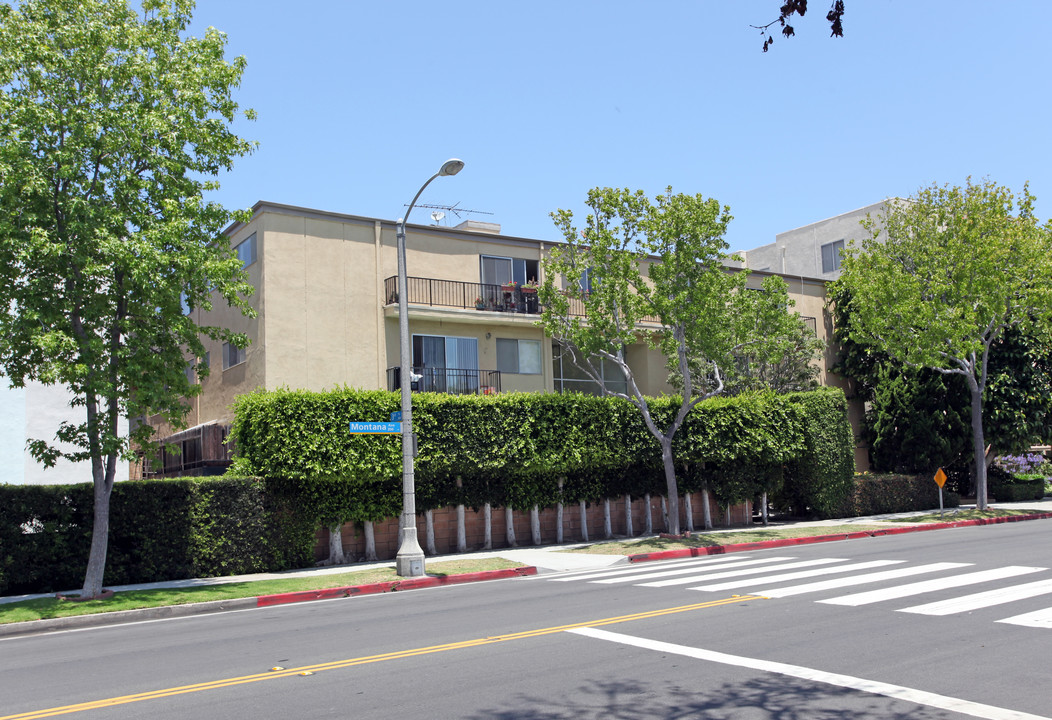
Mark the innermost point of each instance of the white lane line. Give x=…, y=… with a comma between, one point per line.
x=977, y=601
x=874, y=687
x=739, y=573
x=901, y=591
x=1038, y=619
x=796, y=575
x=836, y=583
x=695, y=571
x=645, y=567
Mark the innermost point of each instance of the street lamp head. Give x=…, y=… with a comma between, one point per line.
x=451, y=167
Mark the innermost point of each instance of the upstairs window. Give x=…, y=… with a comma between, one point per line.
x=495, y=270
x=233, y=355
x=246, y=251
x=831, y=253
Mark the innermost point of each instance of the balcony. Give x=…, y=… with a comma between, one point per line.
x=455, y=381
x=465, y=295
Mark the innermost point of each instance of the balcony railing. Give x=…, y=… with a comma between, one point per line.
x=457, y=294
x=455, y=381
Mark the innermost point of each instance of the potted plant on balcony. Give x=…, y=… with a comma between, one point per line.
x=529, y=288
x=480, y=304
x=510, y=286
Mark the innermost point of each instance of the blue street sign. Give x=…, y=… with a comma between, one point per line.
x=396, y=416
x=375, y=428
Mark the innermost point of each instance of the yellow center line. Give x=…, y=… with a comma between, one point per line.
x=290, y=672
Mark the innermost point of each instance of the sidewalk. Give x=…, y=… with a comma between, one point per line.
x=545, y=559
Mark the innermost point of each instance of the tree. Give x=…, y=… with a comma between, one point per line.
x=942, y=278
x=111, y=121
x=835, y=17
x=653, y=273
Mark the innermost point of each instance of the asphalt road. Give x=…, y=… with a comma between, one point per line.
x=621, y=643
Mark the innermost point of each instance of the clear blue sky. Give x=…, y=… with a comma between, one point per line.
x=360, y=102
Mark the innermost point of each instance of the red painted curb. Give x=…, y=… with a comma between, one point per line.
x=784, y=542
x=391, y=586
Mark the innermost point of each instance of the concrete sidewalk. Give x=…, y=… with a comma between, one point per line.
x=543, y=558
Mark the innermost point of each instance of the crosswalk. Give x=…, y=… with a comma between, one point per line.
x=840, y=581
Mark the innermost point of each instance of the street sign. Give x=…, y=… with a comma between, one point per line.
x=375, y=428
x=396, y=416
x=940, y=478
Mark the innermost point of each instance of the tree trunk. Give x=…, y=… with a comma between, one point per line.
x=648, y=519
x=535, y=524
x=370, y=541
x=584, y=521
x=559, y=514
x=688, y=508
x=100, y=533
x=706, y=508
x=336, y=556
x=487, y=527
x=429, y=533
x=608, y=530
x=670, y=481
x=628, y=515
x=727, y=514
x=462, y=536
x=509, y=526
x=462, y=531
x=763, y=510
x=664, y=514
x=978, y=444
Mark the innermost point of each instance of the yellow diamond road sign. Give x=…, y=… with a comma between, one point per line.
x=940, y=478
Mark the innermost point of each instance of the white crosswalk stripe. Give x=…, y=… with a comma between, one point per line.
x=837, y=583
x=647, y=568
x=767, y=577
x=901, y=591
x=988, y=598
x=1038, y=618
x=698, y=576
x=799, y=575
x=739, y=573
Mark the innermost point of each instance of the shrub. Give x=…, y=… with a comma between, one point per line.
x=892, y=493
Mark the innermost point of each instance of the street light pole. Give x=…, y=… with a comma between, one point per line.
x=409, y=562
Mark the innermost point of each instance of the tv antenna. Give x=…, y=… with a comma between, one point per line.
x=454, y=208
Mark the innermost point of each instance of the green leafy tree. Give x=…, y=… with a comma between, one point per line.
x=942, y=278
x=112, y=121
x=653, y=273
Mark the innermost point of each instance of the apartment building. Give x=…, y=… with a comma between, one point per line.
x=327, y=315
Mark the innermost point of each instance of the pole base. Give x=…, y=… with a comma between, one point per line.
x=409, y=562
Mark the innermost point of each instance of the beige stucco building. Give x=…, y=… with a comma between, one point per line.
x=327, y=312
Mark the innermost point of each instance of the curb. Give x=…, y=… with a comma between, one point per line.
x=784, y=542
x=392, y=586
x=35, y=627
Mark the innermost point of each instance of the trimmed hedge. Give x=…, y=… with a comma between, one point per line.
x=159, y=530
x=893, y=493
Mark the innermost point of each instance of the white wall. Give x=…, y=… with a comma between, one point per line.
x=35, y=412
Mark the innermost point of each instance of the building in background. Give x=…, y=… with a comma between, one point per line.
x=35, y=412
x=327, y=315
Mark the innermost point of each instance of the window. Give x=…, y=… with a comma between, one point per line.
x=232, y=355
x=496, y=270
x=446, y=364
x=570, y=378
x=246, y=251
x=522, y=357
x=831, y=256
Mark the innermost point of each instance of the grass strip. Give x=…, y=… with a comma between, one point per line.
x=46, y=608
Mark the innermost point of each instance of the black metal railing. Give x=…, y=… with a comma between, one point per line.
x=455, y=381
x=457, y=294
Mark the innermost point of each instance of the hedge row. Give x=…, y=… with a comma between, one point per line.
x=891, y=493
x=159, y=530
x=513, y=450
